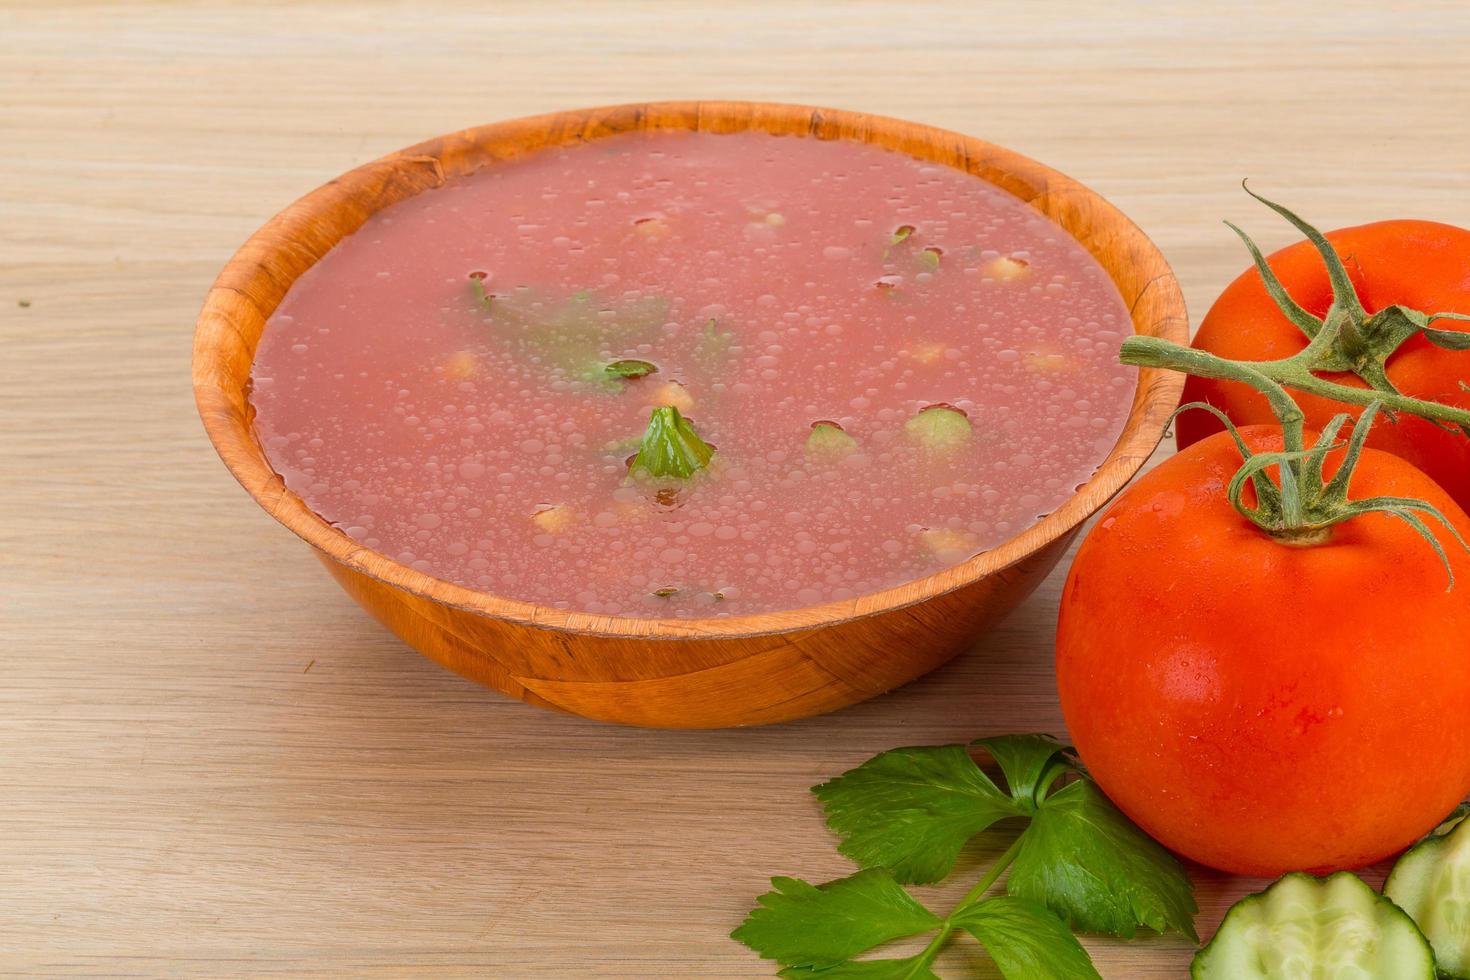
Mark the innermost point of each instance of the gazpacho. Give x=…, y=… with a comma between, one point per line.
x=694, y=375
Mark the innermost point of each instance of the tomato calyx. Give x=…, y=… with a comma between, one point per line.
x=1349, y=340
x=1301, y=506
x=1304, y=506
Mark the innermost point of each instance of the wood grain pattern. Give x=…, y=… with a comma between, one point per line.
x=212, y=763
x=676, y=673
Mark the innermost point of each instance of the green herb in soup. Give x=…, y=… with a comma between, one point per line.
x=671, y=447
x=566, y=336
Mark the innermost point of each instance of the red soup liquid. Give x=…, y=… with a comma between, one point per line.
x=437, y=385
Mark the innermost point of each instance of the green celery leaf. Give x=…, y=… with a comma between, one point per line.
x=806, y=925
x=1026, y=940
x=1024, y=759
x=671, y=447
x=908, y=968
x=912, y=810
x=1087, y=862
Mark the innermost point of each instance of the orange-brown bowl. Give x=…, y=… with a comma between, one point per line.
x=675, y=673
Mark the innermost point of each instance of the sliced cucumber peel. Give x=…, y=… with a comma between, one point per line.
x=1306, y=928
x=1431, y=882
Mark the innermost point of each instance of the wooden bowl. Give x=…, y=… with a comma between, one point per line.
x=675, y=673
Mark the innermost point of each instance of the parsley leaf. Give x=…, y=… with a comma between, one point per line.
x=1025, y=759
x=908, y=968
x=671, y=447
x=804, y=925
x=904, y=815
x=628, y=369
x=912, y=810
x=1083, y=859
x=567, y=336
x=1026, y=940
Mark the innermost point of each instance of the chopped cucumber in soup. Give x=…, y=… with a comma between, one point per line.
x=828, y=441
x=1305, y=928
x=1432, y=884
x=939, y=427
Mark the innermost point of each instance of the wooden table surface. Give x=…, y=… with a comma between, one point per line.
x=211, y=763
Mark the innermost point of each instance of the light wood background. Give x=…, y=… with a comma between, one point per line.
x=211, y=763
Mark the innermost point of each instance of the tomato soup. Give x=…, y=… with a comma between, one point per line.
x=863, y=367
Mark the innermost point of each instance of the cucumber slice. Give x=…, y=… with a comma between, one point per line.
x=1432, y=883
x=1305, y=928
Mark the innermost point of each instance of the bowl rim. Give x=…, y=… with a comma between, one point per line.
x=249, y=287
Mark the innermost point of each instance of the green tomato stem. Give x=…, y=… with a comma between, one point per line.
x=1158, y=352
x=1301, y=507
x=1349, y=339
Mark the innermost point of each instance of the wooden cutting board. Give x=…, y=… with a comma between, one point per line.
x=211, y=763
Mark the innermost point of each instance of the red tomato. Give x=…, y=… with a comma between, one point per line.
x=1262, y=707
x=1419, y=264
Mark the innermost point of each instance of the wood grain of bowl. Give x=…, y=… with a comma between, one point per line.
x=675, y=673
